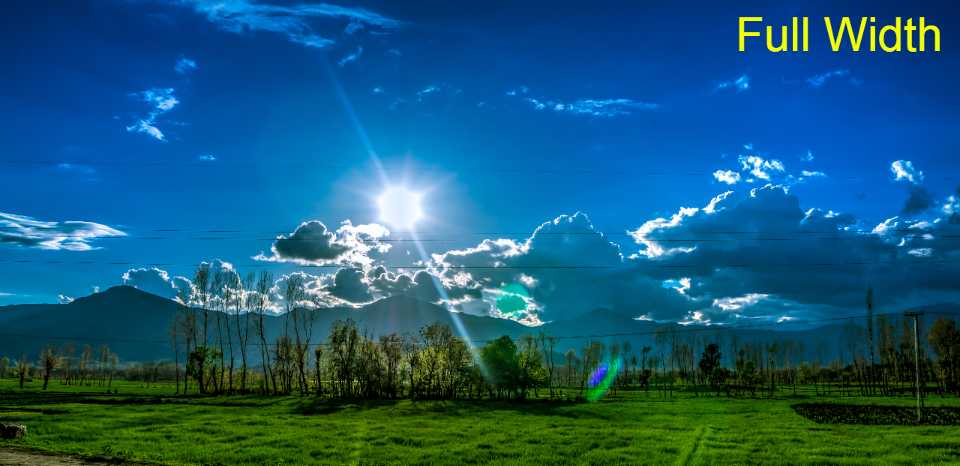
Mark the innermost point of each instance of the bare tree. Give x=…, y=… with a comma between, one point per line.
x=261, y=301
x=23, y=369
x=48, y=361
x=244, y=306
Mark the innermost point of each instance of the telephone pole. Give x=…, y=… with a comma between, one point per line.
x=916, y=353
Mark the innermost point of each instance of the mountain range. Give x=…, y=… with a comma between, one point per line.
x=136, y=326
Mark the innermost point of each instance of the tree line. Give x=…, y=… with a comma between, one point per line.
x=222, y=320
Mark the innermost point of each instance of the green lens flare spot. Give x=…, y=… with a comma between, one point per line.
x=512, y=300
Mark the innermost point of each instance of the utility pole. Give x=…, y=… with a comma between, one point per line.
x=916, y=353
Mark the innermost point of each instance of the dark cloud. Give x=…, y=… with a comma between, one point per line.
x=310, y=241
x=313, y=243
x=764, y=243
x=919, y=201
x=348, y=285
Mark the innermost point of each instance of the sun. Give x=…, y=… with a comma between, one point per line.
x=400, y=207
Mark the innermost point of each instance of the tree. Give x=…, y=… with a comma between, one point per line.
x=23, y=369
x=4, y=365
x=244, y=299
x=261, y=301
x=344, y=342
x=710, y=367
x=200, y=358
x=186, y=324
x=503, y=368
x=944, y=338
x=48, y=361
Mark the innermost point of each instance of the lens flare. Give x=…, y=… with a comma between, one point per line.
x=512, y=301
x=602, y=379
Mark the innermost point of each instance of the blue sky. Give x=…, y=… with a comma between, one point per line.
x=234, y=122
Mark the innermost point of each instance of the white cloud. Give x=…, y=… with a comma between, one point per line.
x=350, y=57
x=602, y=108
x=161, y=101
x=146, y=127
x=185, y=65
x=153, y=280
x=903, y=170
x=759, y=167
x=312, y=243
x=64, y=299
x=740, y=84
x=294, y=21
x=207, y=158
x=727, y=176
x=70, y=235
x=819, y=80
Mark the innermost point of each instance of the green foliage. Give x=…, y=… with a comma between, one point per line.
x=142, y=425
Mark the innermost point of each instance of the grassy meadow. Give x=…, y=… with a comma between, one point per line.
x=144, y=424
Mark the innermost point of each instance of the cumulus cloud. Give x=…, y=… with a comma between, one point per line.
x=727, y=176
x=820, y=259
x=349, y=285
x=294, y=21
x=71, y=235
x=153, y=280
x=918, y=201
x=903, y=170
x=563, y=269
x=740, y=84
x=312, y=243
x=760, y=169
x=185, y=65
x=161, y=100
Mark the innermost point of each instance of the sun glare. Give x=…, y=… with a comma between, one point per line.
x=400, y=207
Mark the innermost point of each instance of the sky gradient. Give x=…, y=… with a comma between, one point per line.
x=617, y=155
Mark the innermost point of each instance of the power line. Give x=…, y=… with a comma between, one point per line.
x=624, y=265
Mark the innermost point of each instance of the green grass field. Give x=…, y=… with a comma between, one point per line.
x=139, y=424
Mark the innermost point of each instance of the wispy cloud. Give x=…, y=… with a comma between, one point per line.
x=29, y=232
x=206, y=158
x=742, y=83
x=293, y=21
x=350, y=57
x=161, y=101
x=76, y=168
x=604, y=108
x=185, y=65
x=821, y=79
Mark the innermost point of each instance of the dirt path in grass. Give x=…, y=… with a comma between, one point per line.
x=10, y=456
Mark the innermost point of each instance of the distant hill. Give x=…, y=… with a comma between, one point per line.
x=136, y=325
